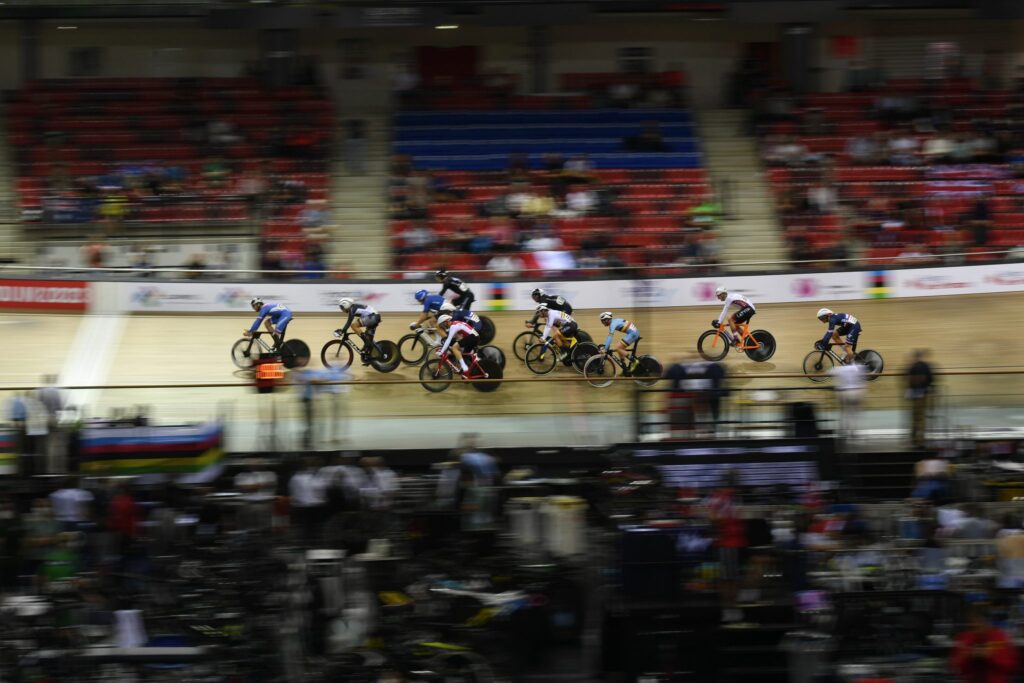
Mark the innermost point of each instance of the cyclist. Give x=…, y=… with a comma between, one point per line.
x=462, y=315
x=464, y=297
x=552, y=301
x=744, y=314
x=561, y=327
x=363, y=320
x=463, y=334
x=432, y=303
x=275, y=317
x=630, y=334
x=840, y=325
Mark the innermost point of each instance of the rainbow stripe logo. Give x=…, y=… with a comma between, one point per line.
x=878, y=285
x=498, y=299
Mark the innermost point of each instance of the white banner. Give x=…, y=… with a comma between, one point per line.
x=322, y=297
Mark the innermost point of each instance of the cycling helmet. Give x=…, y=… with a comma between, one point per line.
x=256, y=302
x=823, y=312
x=441, y=274
x=542, y=308
x=444, y=320
x=447, y=306
x=421, y=295
x=607, y=315
x=719, y=291
x=345, y=303
x=538, y=292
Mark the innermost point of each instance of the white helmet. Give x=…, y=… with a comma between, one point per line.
x=444, y=320
x=607, y=315
x=720, y=290
x=823, y=312
x=542, y=307
x=256, y=302
x=447, y=306
x=345, y=303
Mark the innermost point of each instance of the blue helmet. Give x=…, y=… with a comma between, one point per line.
x=421, y=295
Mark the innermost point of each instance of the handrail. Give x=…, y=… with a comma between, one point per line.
x=349, y=272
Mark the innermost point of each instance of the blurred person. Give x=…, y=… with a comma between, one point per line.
x=902, y=149
x=195, y=266
x=578, y=169
x=505, y=265
x=1010, y=555
x=313, y=214
x=12, y=534
x=920, y=379
x=821, y=198
x=863, y=149
x=479, y=502
x=53, y=400
x=94, y=253
x=849, y=385
x=381, y=484
x=971, y=524
x=417, y=238
x=983, y=653
x=41, y=531
x=70, y=504
x=60, y=564
x=730, y=537
x=580, y=201
x=123, y=519
x=307, y=491
x=937, y=149
x=932, y=479
x=215, y=173
x=252, y=187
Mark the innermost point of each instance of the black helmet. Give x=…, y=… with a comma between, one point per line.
x=537, y=292
x=441, y=274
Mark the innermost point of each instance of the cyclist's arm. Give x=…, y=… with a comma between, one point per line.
x=828, y=334
x=445, y=286
x=611, y=335
x=552, y=315
x=351, y=317
x=259, y=318
x=725, y=310
x=448, y=341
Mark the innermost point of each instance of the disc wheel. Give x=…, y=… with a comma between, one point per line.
x=600, y=371
x=487, y=330
x=581, y=353
x=494, y=376
x=433, y=375
x=388, y=358
x=337, y=354
x=648, y=371
x=541, y=359
x=816, y=366
x=245, y=353
x=494, y=354
x=295, y=354
x=412, y=349
x=712, y=345
x=765, y=348
x=523, y=341
x=872, y=362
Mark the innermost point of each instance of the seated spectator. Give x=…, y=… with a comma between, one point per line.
x=902, y=149
x=983, y=652
x=313, y=215
x=503, y=235
x=979, y=221
x=417, y=238
x=962, y=150
x=216, y=173
x=932, y=475
x=821, y=198
x=505, y=265
x=937, y=149
x=580, y=201
x=982, y=148
x=578, y=169
x=788, y=151
x=460, y=238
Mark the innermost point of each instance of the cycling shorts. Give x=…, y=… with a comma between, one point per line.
x=569, y=329
x=464, y=300
x=468, y=343
x=282, y=324
x=743, y=315
x=853, y=335
x=371, y=321
x=631, y=337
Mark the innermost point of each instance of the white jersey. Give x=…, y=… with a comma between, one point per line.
x=554, y=317
x=738, y=300
x=455, y=328
x=364, y=312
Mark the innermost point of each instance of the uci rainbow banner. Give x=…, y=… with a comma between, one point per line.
x=150, y=450
x=8, y=455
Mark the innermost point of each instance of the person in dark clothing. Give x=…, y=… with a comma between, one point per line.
x=920, y=379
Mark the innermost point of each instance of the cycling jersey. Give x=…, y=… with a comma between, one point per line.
x=741, y=302
x=556, y=303
x=432, y=303
x=457, y=328
x=279, y=315
x=470, y=317
x=845, y=325
x=629, y=331
x=464, y=297
x=366, y=314
x=555, y=319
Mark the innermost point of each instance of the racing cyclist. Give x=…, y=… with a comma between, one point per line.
x=840, y=325
x=275, y=317
x=561, y=327
x=464, y=297
x=464, y=316
x=630, y=335
x=464, y=336
x=744, y=313
x=363, y=320
x=432, y=303
x=552, y=301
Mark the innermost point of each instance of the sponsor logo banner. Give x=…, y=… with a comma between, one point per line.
x=54, y=295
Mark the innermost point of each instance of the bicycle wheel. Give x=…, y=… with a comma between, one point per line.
x=487, y=330
x=295, y=354
x=412, y=349
x=766, y=346
x=337, y=354
x=493, y=353
x=388, y=359
x=648, y=371
x=433, y=373
x=245, y=353
x=581, y=353
x=712, y=345
x=523, y=341
x=583, y=337
x=541, y=359
x=872, y=362
x=600, y=370
x=494, y=375
x=818, y=363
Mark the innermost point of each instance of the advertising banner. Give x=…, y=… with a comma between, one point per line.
x=987, y=279
x=50, y=295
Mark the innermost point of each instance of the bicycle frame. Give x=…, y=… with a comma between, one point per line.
x=345, y=340
x=629, y=361
x=446, y=358
x=745, y=337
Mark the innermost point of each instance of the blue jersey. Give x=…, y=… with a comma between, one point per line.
x=628, y=329
x=278, y=314
x=843, y=323
x=432, y=303
x=467, y=317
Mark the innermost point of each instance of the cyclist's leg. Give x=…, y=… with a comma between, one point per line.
x=457, y=352
x=279, y=332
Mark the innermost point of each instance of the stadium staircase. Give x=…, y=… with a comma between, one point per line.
x=11, y=246
x=732, y=159
x=361, y=239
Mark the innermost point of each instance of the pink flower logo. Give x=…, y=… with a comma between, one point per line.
x=705, y=291
x=805, y=287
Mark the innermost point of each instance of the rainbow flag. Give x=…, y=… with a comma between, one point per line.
x=498, y=299
x=150, y=450
x=878, y=285
x=8, y=456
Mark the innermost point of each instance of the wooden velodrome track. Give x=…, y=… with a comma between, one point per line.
x=964, y=333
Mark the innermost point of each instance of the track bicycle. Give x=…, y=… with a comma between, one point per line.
x=543, y=357
x=759, y=345
x=247, y=350
x=413, y=347
x=339, y=353
x=524, y=340
x=818, y=363
x=436, y=372
x=600, y=370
